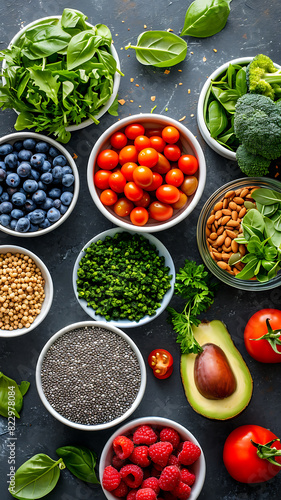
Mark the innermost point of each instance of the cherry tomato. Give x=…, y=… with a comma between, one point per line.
x=167, y=193
x=101, y=179
x=117, y=181
x=170, y=134
x=174, y=177
x=132, y=191
x=181, y=201
x=141, y=142
x=160, y=211
x=144, y=201
x=123, y=207
x=128, y=153
x=188, y=164
x=139, y=216
x=143, y=176
x=107, y=159
x=157, y=143
x=256, y=327
x=157, y=180
x=127, y=170
x=161, y=361
x=148, y=157
x=151, y=132
x=240, y=455
x=132, y=131
x=189, y=185
x=118, y=140
x=162, y=166
x=172, y=152
x=108, y=197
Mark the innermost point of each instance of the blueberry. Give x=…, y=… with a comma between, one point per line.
x=53, y=152
x=37, y=216
x=18, y=145
x=30, y=205
x=63, y=209
x=4, y=197
x=42, y=186
x=42, y=147
x=30, y=186
x=5, y=149
x=24, y=155
x=1, y=189
x=6, y=207
x=48, y=203
x=13, y=224
x=54, y=193
x=66, y=170
x=47, y=178
x=39, y=196
x=18, y=199
x=59, y=160
x=37, y=160
x=67, y=180
x=53, y=214
x=16, y=213
x=57, y=172
x=13, y=180
x=11, y=160
x=5, y=219
x=23, y=225
x=66, y=198
x=3, y=174
x=11, y=191
x=46, y=167
x=24, y=169
x=34, y=174
x=29, y=143
x=3, y=165
x=57, y=203
x=33, y=227
x=46, y=223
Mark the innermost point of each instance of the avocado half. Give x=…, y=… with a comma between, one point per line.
x=215, y=332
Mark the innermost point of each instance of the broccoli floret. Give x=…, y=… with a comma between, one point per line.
x=263, y=78
x=251, y=165
x=257, y=124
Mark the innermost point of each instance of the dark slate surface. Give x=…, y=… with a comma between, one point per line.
x=253, y=27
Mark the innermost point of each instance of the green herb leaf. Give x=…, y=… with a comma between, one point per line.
x=73, y=18
x=241, y=82
x=46, y=82
x=206, y=18
x=266, y=196
x=80, y=461
x=248, y=271
x=43, y=41
x=159, y=48
x=216, y=118
x=8, y=385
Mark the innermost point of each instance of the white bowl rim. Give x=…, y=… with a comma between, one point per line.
x=200, y=478
x=116, y=83
x=94, y=324
x=40, y=137
x=194, y=145
x=43, y=313
x=126, y=323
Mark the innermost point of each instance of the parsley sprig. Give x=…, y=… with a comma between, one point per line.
x=193, y=284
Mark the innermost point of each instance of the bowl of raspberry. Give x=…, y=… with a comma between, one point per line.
x=151, y=458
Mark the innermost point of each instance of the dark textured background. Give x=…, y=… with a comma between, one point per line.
x=253, y=27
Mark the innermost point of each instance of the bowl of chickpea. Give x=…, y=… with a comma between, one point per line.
x=26, y=291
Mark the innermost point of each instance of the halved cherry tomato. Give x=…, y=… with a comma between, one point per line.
x=108, y=197
x=174, y=177
x=141, y=142
x=143, y=177
x=123, y=207
x=167, y=193
x=128, y=153
x=101, y=179
x=117, y=181
x=160, y=211
x=161, y=361
x=188, y=164
x=132, y=191
x=139, y=216
x=172, y=152
x=170, y=134
x=162, y=166
x=148, y=157
x=132, y=131
x=157, y=143
x=107, y=159
x=157, y=180
x=118, y=140
x=127, y=170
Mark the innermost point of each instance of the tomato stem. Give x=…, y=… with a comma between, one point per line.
x=272, y=336
x=265, y=451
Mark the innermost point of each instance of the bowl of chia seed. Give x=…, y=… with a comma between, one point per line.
x=90, y=376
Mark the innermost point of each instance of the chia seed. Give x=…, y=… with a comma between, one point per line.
x=90, y=375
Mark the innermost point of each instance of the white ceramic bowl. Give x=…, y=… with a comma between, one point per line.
x=75, y=425
x=116, y=83
x=123, y=323
x=18, y=136
x=190, y=146
x=198, y=468
x=48, y=289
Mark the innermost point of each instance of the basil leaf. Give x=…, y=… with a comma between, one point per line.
x=36, y=477
x=45, y=41
x=71, y=18
x=8, y=385
x=113, y=110
x=81, y=48
x=80, y=461
x=159, y=48
x=105, y=33
x=217, y=119
x=206, y=17
x=266, y=196
x=248, y=271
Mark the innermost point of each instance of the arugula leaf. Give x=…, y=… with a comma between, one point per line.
x=46, y=82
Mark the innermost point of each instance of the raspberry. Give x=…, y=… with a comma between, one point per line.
x=140, y=456
x=132, y=475
x=189, y=454
x=154, y=472
x=144, y=435
x=117, y=463
x=170, y=435
x=121, y=491
x=187, y=477
x=123, y=447
x=131, y=495
x=153, y=483
x=170, y=477
x=146, y=494
x=173, y=460
x=160, y=452
x=111, y=478
x=182, y=491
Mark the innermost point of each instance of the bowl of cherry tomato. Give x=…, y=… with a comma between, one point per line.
x=146, y=173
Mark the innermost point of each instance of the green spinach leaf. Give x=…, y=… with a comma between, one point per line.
x=159, y=48
x=206, y=18
x=217, y=119
x=266, y=196
x=80, y=461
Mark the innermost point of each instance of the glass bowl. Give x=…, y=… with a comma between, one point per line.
x=224, y=276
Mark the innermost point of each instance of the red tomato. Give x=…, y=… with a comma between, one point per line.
x=142, y=142
x=123, y=207
x=188, y=164
x=143, y=176
x=133, y=192
x=151, y=132
x=240, y=455
x=118, y=140
x=108, y=197
x=148, y=157
x=181, y=201
x=161, y=361
x=157, y=143
x=160, y=211
x=170, y=134
x=162, y=166
x=107, y=159
x=128, y=153
x=174, y=177
x=157, y=180
x=127, y=170
x=189, y=185
x=117, y=181
x=101, y=179
x=132, y=131
x=256, y=327
x=172, y=152
x=139, y=216
x=167, y=193
x=144, y=201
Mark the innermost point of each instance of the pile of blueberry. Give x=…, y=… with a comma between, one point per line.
x=36, y=185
